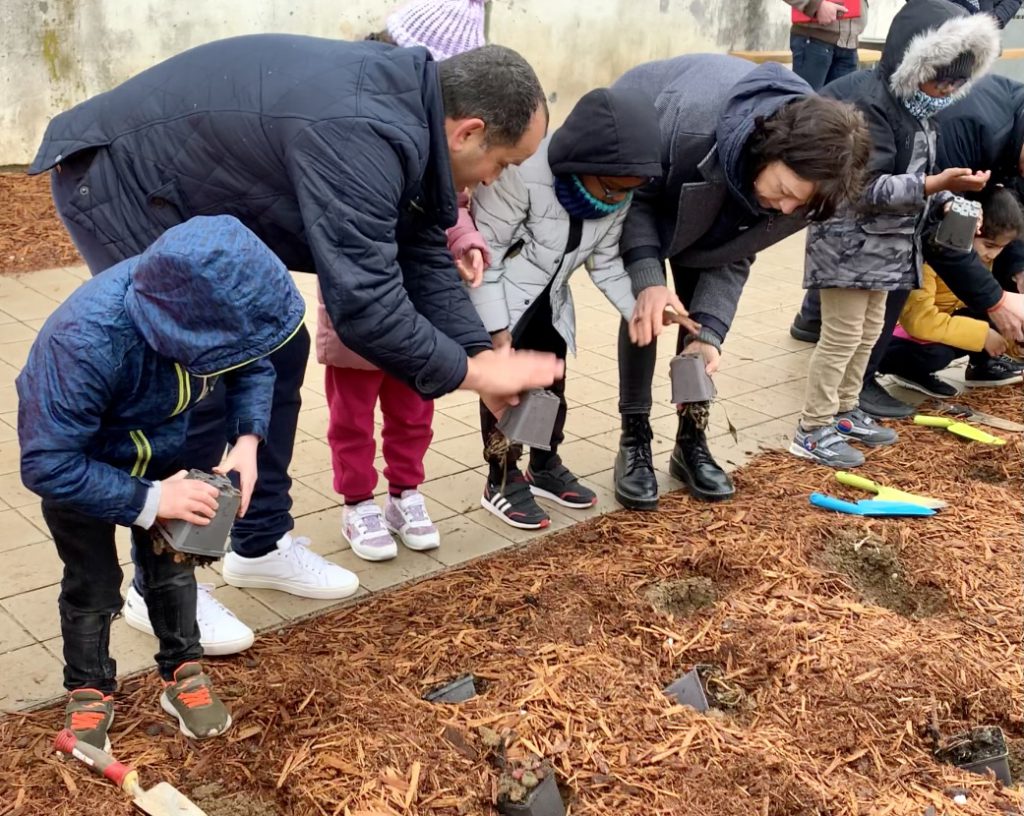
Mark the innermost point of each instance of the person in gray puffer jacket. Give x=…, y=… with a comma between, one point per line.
x=542, y=220
x=932, y=54
x=751, y=153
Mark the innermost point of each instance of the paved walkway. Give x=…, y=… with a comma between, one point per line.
x=760, y=390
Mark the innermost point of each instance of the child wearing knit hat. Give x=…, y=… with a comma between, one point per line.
x=354, y=386
x=443, y=27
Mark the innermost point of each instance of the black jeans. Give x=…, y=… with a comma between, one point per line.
x=637, y=364
x=90, y=596
x=535, y=331
x=906, y=356
x=269, y=515
x=810, y=309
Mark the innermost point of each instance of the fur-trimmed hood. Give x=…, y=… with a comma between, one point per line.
x=927, y=35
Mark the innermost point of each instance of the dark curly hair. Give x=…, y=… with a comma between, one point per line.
x=821, y=140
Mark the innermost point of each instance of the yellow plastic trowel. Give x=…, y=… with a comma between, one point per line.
x=888, y=493
x=959, y=428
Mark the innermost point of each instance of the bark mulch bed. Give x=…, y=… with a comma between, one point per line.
x=847, y=645
x=31, y=234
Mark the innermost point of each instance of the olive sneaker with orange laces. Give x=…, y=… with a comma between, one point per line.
x=89, y=714
x=190, y=698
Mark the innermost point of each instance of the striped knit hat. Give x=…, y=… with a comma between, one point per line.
x=443, y=27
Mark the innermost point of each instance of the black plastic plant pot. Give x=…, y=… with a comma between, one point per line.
x=689, y=690
x=457, y=691
x=532, y=421
x=959, y=225
x=210, y=541
x=543, y=800
x=690, y=380
x=979, y=751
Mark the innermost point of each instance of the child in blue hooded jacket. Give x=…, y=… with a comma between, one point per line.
x=102, y=416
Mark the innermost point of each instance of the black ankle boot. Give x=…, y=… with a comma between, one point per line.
x=636, y=488
x=692, y=462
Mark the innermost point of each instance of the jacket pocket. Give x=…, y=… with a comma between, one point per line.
x=888, y=247
x=166, y=205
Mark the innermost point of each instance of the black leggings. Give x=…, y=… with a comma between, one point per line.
x=535, y=331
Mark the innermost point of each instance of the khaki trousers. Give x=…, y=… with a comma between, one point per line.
x=851, y=322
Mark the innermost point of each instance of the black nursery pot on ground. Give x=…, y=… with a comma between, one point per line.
x=543, y=800
x=979, y=751
x=703, y=688
x=457, y=691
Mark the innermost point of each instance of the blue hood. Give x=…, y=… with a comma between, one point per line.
x=758, y=95
x=210, y=295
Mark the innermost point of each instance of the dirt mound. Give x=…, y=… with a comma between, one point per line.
x=683, y=597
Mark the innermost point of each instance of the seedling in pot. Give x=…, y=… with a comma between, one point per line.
x=979, y=751
x=532, y=421
x=526, y=787
x=704, y=688
x=690, y=380
x=206, y=543
x=457, y=691
x=529, y=789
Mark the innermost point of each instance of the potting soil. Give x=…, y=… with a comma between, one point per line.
x=841, y=693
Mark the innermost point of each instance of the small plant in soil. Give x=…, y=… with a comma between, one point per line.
x=526, y=787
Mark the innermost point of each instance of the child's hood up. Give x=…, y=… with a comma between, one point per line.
x=927, y=35
x=210, y=295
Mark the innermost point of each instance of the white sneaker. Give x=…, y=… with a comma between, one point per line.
x=407, y=517
x=220, y=632
x=363, y=528
x=292, y=568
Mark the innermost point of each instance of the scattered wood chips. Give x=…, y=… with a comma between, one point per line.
x=839, y=695
x=31, y=234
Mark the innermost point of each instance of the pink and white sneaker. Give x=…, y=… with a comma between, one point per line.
x=363, y=527
x=407, y=517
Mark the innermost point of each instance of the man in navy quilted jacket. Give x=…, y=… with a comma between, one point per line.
x=345, y=159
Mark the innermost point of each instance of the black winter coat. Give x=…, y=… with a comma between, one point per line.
x=333, y=153
x=1002, y=10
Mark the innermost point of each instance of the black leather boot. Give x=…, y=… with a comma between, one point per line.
x=636, y=488
x=692, y=462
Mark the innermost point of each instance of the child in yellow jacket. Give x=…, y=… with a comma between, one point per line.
x=935, y=328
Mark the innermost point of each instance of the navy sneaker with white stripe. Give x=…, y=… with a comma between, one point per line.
x=557, y=483
x=514, y=503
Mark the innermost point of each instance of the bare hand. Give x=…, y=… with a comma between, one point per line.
x=506, y=373
x=995, y=344
x=649, y=314
x=471, y=267
x=829, y=12
x=670, y=317
x=242, y=459
x=1018, y=281
x=957, y=180
x=187, y=499
x=1009, y=316
x=711, y=356
x=501, y=339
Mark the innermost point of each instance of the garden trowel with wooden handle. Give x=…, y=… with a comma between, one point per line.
x=959, y=428
x=888, y=493
x=160, y=800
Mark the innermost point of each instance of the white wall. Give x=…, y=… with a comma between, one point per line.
x=55, y=53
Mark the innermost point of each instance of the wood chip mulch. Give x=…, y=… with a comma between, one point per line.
x=838, y=698
x=31, y=235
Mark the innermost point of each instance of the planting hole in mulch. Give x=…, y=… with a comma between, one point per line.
x=875, y=569
x=683, y=597
x=215, y=800
x=988, y=472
